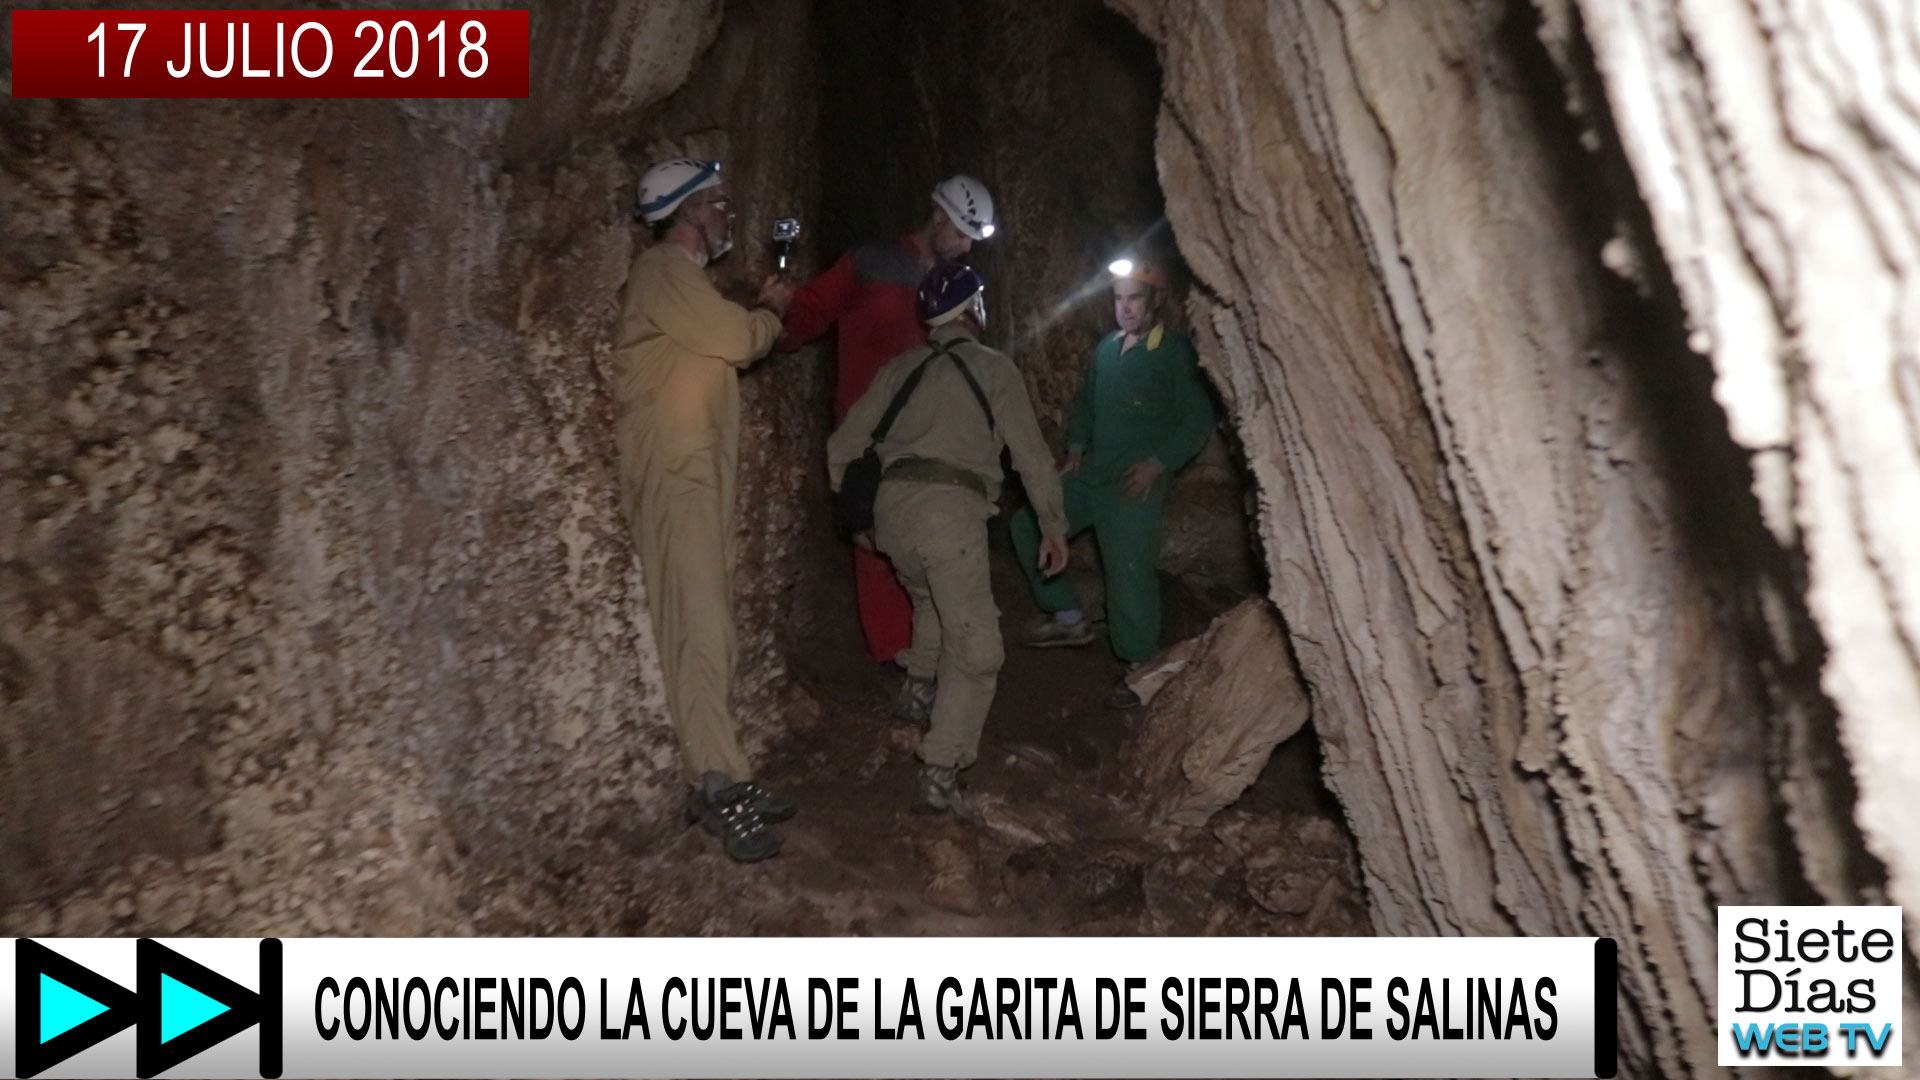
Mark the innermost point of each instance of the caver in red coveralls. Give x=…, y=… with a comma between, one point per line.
x=869, y=292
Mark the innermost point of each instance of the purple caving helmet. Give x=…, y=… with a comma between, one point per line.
x=950, y=290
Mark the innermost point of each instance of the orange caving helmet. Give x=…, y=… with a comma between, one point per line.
x=1146, y=271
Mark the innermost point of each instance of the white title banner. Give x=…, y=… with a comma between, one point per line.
x=810, y=1007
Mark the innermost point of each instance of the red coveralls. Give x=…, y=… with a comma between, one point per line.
x=869, y=292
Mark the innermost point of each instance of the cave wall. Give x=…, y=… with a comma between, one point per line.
x=1780, y=189
x=1558, y=665
x=315, y=610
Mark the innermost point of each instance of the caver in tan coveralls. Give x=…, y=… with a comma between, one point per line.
x=676, y=355
x=942, y=478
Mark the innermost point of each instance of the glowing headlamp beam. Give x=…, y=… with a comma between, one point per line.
x=1120, y=267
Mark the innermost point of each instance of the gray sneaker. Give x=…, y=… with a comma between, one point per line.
x=1050, y=633
x=914, y=701
x=937, y=791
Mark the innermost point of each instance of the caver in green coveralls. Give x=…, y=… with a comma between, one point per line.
x=1143, y=403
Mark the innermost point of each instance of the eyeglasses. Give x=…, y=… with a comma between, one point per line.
x=722, y=204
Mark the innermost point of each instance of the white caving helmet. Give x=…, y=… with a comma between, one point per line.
x=666, y=185
x=967, y=205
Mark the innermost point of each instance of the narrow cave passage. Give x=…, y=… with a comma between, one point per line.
x=1055, y=111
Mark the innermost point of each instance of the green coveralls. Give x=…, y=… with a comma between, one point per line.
x=1146, y=403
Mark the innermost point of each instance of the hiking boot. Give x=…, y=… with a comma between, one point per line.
x=914, y=702
x=1051, y=633
x=730, y=815
x=937, y=791
x=770, y=806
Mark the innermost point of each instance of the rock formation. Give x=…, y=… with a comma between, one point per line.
x=1774, y=186
x=313, y=594
x=1213, y=727
x=1561, y=672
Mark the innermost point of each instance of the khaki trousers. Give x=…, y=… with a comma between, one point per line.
x=936, y=535
x=679, y=509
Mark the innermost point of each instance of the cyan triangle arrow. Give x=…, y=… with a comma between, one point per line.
x=182, y=1008
x=62, y=1008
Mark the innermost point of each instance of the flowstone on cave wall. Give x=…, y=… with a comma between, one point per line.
x=1512, y=543
x=315, y=610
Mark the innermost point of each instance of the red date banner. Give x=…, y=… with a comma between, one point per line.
x=270, y=54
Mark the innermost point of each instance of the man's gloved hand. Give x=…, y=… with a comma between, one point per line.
x=1140, y=478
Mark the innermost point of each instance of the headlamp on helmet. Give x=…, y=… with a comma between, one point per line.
x=967, y=204
x=1145, y=271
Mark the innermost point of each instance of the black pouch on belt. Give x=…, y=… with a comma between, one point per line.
x=860, y=484
x=858, y=488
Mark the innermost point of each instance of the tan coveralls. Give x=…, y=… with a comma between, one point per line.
x=943, y=478
x=678, y=392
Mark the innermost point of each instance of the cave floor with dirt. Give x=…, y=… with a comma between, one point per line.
x=1057, y=851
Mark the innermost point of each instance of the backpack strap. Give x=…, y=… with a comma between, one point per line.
x=940, y=348
x=979, y=395
x=900, y=400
